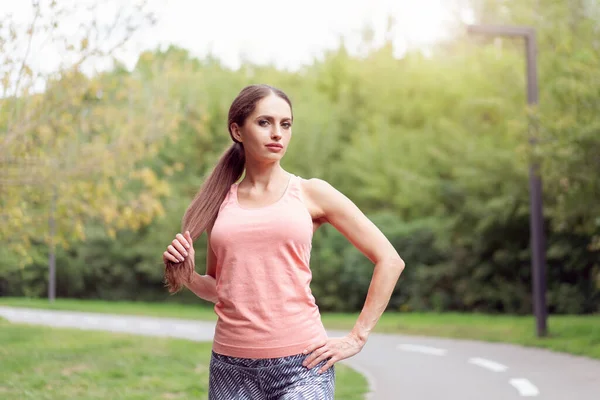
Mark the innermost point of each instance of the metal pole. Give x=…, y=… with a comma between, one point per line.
x=52, y=256
x=535, y=194
x=536, y=221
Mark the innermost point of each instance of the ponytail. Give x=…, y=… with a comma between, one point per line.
x=202, y=212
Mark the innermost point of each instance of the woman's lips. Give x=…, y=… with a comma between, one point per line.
x=275, y=147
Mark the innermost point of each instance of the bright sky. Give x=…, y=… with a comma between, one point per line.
x=287, y=33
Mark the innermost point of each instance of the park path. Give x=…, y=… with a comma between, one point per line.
x=398, y=367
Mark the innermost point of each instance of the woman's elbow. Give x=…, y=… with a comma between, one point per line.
x=394, y=263
x=399, y=264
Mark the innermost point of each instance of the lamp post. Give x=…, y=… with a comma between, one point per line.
x=535, y=183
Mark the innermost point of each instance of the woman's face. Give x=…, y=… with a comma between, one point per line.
x=266, y=132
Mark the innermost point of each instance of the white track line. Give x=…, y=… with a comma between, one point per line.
x=423, y=349
x=491, y=365
x=525, y=388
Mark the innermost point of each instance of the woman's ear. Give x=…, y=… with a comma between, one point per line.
x=236, y=132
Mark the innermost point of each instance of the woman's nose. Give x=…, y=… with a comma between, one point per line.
x=276, y=132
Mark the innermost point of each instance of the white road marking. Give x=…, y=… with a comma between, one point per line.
x=491, y=365
x=525, y=388
x=423, y=349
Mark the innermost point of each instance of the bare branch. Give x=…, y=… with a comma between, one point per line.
x=30, y=32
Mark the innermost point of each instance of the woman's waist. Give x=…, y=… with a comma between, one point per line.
x=267, y=314
x=262, y=320
x=277, y=335
x=256, y=294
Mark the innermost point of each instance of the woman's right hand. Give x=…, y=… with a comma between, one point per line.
x=180, y=249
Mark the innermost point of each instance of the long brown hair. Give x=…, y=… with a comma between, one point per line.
x=204, y=208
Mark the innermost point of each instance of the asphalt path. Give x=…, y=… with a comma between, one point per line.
x=396, y=366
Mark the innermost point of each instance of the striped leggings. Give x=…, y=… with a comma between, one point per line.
x=282, y=378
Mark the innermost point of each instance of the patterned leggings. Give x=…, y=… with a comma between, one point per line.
x=282, y=378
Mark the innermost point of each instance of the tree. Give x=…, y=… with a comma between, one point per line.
x=72, y=139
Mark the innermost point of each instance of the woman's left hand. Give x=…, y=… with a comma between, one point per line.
x=334, y=349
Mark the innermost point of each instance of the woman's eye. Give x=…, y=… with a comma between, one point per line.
x=286, y=125
x=263, y=122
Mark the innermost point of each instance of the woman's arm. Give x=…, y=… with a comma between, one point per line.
x=203, y=286
x=332, y=206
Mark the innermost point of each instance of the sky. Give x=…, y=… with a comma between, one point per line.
x=290, y=33
x=287, y=34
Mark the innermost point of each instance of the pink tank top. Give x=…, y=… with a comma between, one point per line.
x=265, y=306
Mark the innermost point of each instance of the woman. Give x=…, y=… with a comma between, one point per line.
x=269, y=341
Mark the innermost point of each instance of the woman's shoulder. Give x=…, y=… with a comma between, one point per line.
x=317, y=189
x=314, y=184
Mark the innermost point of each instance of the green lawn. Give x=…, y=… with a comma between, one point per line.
x=45, y=363
x=573, y=334
x=201, y=312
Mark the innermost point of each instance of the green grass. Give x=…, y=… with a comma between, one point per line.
x=199, y=312
x=48, y=363
x=578, y=335
x=574, y=334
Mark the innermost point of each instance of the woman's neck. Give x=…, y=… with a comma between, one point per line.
x=264, y=175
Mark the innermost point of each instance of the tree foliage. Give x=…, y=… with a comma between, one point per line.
x=434, y=149
x=72, y=145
